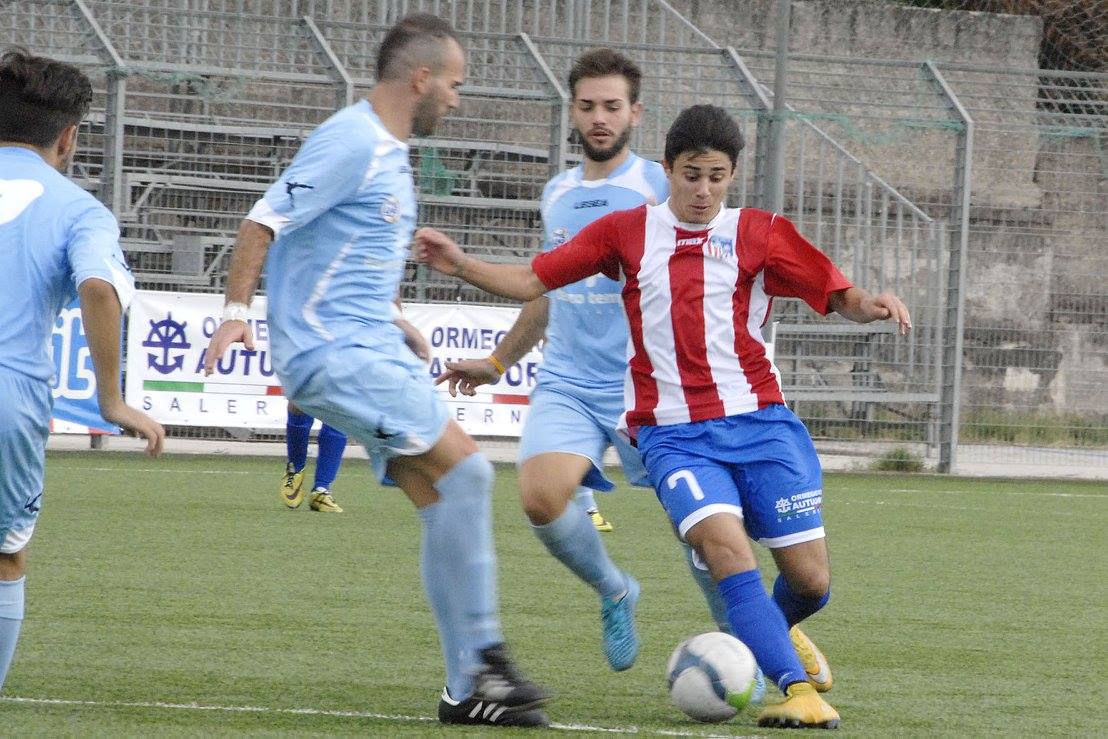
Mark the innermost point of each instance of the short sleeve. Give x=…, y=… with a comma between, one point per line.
x=594, y=250
x=325, y=172
x=797, y=269
x=93, y=250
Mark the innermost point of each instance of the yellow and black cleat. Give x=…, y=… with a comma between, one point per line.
x=292, y=487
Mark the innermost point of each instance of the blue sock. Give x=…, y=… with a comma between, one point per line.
x=794, y=607
x=297, y=428
x=573, y=539
x=757, y=622
x=585, y=498
x=460, y=549
x=707, y=585
x=11, y=618
x=437, y=584
x=332, y=443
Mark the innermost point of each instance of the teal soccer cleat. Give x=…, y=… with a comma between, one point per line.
x=617, y=617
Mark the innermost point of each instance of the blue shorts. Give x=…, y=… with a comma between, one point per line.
x=25, y=406
x=373, y=389
x=573, y=420
x=760, y=466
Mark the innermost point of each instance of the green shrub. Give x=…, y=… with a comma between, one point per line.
x=898, y=460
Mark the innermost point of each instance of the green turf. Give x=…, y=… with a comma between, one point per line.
x=961, y=607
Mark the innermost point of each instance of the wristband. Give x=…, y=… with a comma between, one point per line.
x=496, y=363
x=236, y=312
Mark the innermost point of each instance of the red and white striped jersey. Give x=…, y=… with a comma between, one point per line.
x=696, y=297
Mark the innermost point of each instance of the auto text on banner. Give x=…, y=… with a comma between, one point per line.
x=167, y=336
x=74, y=388
x=457, y=331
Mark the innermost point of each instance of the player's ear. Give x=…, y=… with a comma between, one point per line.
x=67, y=141
x=421, y=79
x=636, y=113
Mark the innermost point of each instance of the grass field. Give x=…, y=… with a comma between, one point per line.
x=162, y=594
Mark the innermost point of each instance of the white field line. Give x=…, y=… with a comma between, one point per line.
x=998, y=492
x=399, y=718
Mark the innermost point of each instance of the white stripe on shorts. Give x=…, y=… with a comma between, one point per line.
x=709, y=510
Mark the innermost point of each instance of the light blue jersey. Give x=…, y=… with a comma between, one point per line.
x=53, y=237
x=343, y=214
x=586, y=335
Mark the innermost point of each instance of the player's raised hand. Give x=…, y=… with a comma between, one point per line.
x=229, y=332
x=438, y=251
x=467, y=375
x=887, y=306
x=138, y=423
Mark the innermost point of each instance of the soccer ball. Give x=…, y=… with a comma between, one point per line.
x=711, y=676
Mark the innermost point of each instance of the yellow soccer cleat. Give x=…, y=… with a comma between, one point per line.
x=815, y=664
x=602, y=524
x=322, y=501
x=292, y=484
x=803, y=708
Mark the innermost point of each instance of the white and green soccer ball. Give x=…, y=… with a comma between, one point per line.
x=712, y=677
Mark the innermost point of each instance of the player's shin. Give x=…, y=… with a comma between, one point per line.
x=462, y=538
x=707, y=586
x=11, y=618
x=574, y=541
x=439, y=586
x=297, y=430
x=332, y=443
x=757, y=622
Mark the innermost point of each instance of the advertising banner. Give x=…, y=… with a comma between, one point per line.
x=457, y=331
x=167, y=337
x=74, y=389
x=169, y=333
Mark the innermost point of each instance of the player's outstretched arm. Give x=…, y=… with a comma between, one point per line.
x=860, y=306
x=467, y=375
x=102, y=317
x=439, y=252
x=247, y=260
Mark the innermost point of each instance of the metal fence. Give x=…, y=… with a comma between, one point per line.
x=976, y=194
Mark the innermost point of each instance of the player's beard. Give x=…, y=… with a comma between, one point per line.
x=426, y=116
x=608, y=152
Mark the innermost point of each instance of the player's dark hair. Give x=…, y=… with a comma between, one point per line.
x=423, y=35
x=39, y=97
x=702, y=128
x=606, y=63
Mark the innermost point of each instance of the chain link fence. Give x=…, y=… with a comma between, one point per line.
x=976, y=190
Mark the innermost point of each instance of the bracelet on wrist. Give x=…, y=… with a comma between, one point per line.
x=496, y=363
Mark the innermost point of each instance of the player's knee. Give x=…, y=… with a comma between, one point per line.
x=474, y=474
x=814, y=583
x=13, y=566
x=543, y=502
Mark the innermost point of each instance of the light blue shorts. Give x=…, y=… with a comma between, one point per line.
x=572, y=420
x=25, y=405
x=380, y=394
x=760, y=466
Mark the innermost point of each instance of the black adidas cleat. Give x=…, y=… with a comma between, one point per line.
x=474, y=711
x=498, y=681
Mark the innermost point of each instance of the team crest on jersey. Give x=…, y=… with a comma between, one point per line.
x=559, y=236
x=390, y=210
x=720, y=247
